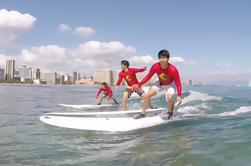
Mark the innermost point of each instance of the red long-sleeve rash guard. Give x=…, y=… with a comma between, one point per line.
x=106, y=90
x=129, y=76
x=166, y=76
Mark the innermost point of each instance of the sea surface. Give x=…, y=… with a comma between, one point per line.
x=216, y=132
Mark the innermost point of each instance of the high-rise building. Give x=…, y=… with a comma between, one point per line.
x=9, y=69
x=79, y=76
x=25, y=72
x=99, y=76
x=1, y=74
x=62, y=79
x=28, y=72
x=115, y=77
x=35, y=73
x=76, y=77
x=67, y=79
x=106, y=75
x=49, y=78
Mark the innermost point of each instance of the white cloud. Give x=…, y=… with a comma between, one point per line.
x=105, y=50
x=142, y=60
x=149, y=60
x=177, y=60
x=192, y=62
x=49, y=57
x=85, y=58
x=224, y=65
x=64, y=28
x=84, y=31
x=12, y=23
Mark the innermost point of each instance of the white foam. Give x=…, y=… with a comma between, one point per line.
x=193, y=96
x=193, y=109
x=238, y=111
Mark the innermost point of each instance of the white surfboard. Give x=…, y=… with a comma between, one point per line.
x=103, y=124
x=103, y=121
x=87, y=106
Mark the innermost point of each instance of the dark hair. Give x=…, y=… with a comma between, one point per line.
x=163, y=53
x=125, y=62
x=104, y=83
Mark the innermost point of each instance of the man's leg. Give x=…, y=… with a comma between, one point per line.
x=170, y=101
x=147, y=99
x=101, y=99
x=142, y=94
x=125, y=100
x=115, y=101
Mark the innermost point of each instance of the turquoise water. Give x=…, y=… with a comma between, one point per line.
x=216, y=130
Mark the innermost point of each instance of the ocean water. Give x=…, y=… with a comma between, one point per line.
x=211, y=127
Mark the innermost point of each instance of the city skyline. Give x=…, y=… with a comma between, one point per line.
x=206, y=46
x=33, y=75
x=104, y=77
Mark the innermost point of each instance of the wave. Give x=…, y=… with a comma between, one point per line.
x=238, y=111
x=200, y=108
x=191, y=115
x=198, y=96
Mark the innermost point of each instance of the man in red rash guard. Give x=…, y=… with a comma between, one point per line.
x=168, y=77
x=107, y=92
x=129, y=74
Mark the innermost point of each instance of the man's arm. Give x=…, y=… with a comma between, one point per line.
x=119, y=80
x=178, y=82
x=109, y=93
x=100, y=90
x=147, y=77
x=137, y=70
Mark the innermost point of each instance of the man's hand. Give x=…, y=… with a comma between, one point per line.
x=145, y=67
x=179, y=100
x=135, y=87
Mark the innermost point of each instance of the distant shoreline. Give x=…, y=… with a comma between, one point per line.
x=19, y=84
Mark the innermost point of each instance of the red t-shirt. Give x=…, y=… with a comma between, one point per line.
x=107, y=91
x=166, y=76
x=129, y=76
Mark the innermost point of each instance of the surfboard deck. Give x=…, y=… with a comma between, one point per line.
x=87, y=106
x=102, y=113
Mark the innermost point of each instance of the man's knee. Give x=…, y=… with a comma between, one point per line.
x=151, y=93
x=143, y=96
x=125, y=99
x=169, y=97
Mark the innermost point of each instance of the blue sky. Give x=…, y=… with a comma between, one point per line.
x=215, y=35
